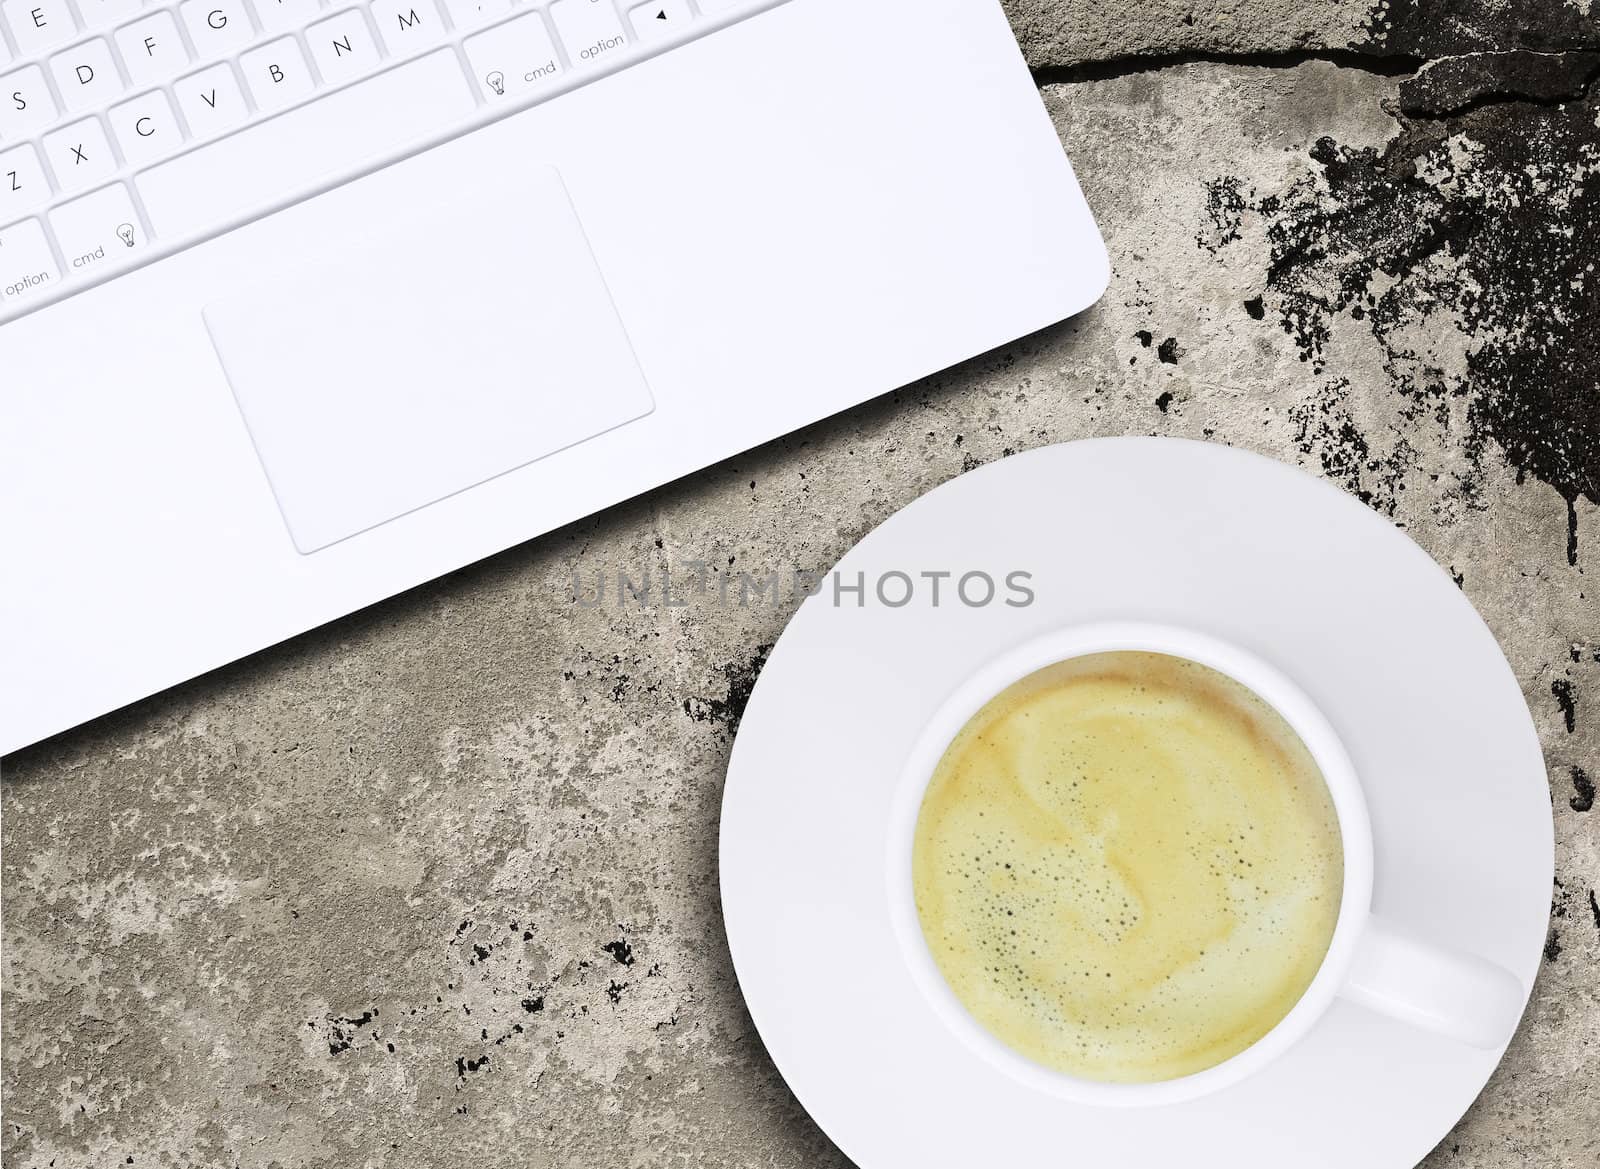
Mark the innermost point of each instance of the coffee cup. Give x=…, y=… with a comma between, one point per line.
x=1368, y=960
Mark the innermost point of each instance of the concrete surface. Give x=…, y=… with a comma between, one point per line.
x=437, y=885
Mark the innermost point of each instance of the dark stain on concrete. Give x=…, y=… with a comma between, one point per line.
x=741, y=681
x=1453, y=85
x=620, y=950
x=1442, y=28
x=516, y=1029
x=1324, y=429
x=1558, y=912
x=1227, y=200
x=1583, y=788
x=465, y=1066
x=342, y=1030
x=1552, y=946
x=1566, y=702
x=1454, y=216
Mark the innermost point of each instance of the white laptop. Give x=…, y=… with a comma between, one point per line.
x=303, y=303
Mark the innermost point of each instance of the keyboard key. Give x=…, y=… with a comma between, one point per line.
x=407, y=26
x=37, y=25
x=472, y=13
x=98, y=14
x=80, y=155
x=152, y=49
x=216, y=27
x=286, y=155
x=284, y=15
x=98, y=230
x=27, y=266
x=590, y=30
x=86, y=75
x=513, y=58
x=25, y=103
x=277, y=74
x=659, y=20
x=342, y=47
x=145, y=127
x=211, y=101
x=22, y=183
x=91, y=87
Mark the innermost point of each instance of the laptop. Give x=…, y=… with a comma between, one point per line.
x=303, y=303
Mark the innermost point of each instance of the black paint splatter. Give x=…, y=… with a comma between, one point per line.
x=1444, y=28
x=1583, y=786
x=1163, y=400
x=1552, y=946
x=1568, y=705
x=342, y=1029
x=1226, y=204
x=464, y=1065
x=1169, y=352
x=516, y=1029
x=729, y=709
x=1455, y=220
x=1325, y=430
x=620, y=950
x=1453, y=85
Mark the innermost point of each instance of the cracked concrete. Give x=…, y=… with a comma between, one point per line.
x=438, y=883
x=1069, y=33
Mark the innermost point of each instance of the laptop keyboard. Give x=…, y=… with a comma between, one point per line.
x=129, y=129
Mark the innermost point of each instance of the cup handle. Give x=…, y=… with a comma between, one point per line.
x=1448, y=992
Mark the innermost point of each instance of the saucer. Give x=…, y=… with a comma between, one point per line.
x=1193, y=535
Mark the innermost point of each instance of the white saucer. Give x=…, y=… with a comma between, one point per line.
x=1195, y=535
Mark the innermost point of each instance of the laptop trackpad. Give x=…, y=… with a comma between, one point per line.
x=424, y=357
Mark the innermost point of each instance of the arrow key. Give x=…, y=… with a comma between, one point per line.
x=659, y=19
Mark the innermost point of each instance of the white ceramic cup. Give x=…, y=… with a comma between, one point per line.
x=1370, y=962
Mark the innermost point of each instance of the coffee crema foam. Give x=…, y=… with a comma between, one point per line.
x=1127, y=867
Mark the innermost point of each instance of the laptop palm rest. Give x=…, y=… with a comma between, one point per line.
x=433, y=352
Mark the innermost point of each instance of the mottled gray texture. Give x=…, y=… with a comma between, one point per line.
x=477, y=824
x=1070, y=33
